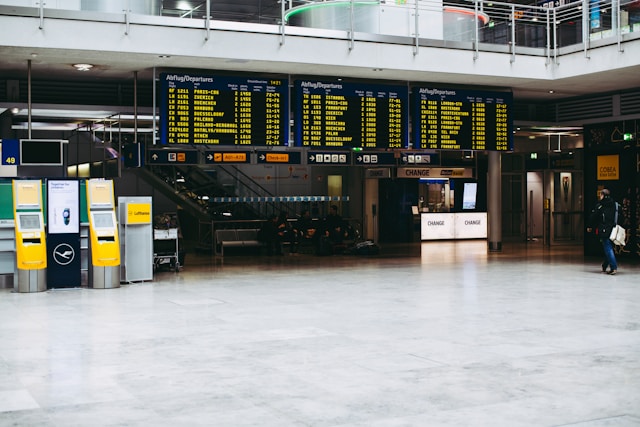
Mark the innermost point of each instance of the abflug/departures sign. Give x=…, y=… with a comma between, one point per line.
x=347, y=115
x=211, y=110
x=453, y=119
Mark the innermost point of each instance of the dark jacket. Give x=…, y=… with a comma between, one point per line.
x=602, y=217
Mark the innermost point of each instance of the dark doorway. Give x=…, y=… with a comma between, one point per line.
x=396, y=196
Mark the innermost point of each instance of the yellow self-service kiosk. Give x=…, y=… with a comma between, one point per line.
x=31, y=247
x=104, y=245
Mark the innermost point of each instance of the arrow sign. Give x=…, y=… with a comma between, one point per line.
x=282, y=157
x=376, y=159
x=329, y=158
x=173, y=157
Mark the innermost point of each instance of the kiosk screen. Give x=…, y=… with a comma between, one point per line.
x=29, y=222
x=103, y=220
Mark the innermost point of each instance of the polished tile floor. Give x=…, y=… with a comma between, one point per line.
x=431, y=334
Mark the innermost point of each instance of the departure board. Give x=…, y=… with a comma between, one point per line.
x=452, y=119
x=223, y=110
x=346, y=115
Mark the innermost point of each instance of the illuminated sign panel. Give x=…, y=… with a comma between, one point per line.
x=223, y=110
x=346, y=115
x=453, y=119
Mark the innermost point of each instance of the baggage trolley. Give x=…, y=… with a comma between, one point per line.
x=165, y=249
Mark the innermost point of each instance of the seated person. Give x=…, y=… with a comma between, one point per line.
x=271, y=236
x=334, y=226
x=287, y=233
x=305, y=225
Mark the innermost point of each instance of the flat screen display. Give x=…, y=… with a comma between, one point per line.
x=351, y=115
x=43, y=152
x=454, y=119
x=28, y=222
x=213, y=110
x=103, y=220
x=469, y=195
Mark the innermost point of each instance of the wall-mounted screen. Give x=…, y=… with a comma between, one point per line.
x=223, y=110
x=454, y=119
x=469, y=195
x=348, y=115
x=40, y=152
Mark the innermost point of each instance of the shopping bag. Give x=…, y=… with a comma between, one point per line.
x=618, y=235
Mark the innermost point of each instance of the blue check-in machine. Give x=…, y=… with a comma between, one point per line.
x=31, y=249
x=104, y=245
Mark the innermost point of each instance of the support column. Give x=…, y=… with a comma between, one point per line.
x=494, y=202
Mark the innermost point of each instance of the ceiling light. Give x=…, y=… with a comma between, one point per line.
x=83, y=67
x=551, y=91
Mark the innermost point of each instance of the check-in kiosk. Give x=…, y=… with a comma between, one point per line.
x=31, y=248
x=104, y=245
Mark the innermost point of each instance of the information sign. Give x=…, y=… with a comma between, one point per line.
x=328, y=158
x=223, y=110
x=347, y=115
x=289, y=157
x=10, y=152
x=453, y=119
x=227, y=157
x=417, y=158
x=375, y=159
x=172, y=157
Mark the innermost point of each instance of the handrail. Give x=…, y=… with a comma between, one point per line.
x=513, y=25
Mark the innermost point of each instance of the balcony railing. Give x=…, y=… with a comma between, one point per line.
x=549, y=29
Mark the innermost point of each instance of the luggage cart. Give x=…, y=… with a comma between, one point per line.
x=166, y=249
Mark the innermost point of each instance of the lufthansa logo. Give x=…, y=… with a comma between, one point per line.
x=63, y=254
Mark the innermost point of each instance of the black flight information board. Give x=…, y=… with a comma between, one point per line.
x=348, y=115
x=453, y=119
x=196, y=109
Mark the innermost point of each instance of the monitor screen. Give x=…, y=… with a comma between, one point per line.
x=40, y=152
x=29, y=221
x=103, y=220
x=469, y=195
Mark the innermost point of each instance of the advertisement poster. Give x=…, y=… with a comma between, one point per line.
x=63, y=206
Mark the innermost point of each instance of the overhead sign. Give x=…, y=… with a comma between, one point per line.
x=453, y=119
x=212, y=110
x=375, y=159
x=377, y=173
x=347, y=115
x=328, y=158
x=10, y=152
x=227, y=157
x=172, y=157
x=435, y=173
x=419, y=158
x=289, y=157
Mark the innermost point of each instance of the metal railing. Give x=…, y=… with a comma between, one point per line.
x=512, y=28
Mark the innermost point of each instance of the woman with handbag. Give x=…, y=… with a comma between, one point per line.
x=602, y=220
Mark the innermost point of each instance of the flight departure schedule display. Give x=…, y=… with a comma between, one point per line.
x=347, y=115
x=452, y=119
x=197, y=109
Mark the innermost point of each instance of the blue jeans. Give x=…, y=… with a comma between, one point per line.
x=609, y=255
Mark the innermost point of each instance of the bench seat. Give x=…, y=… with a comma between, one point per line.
x=237, y=238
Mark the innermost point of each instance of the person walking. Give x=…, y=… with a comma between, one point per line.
x=602, y=220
